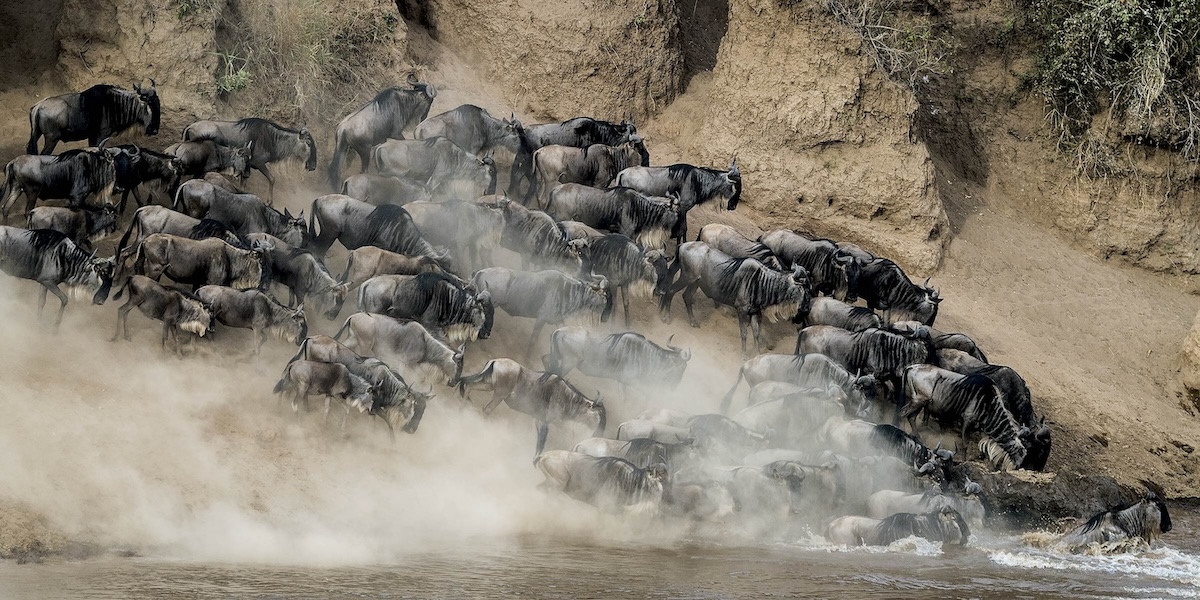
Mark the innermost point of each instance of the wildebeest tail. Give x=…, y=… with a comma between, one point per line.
x=349, y=267
x=335, y=165
x=725, y=402
x=34, y=132
x=9, y=177
x=299, y=353
x=337, y=336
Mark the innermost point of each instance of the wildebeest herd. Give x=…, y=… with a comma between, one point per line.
x=831, y=436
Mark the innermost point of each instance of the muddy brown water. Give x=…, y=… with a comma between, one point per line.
x=563, y=567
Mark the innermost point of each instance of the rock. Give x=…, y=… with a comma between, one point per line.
x=1027, y=499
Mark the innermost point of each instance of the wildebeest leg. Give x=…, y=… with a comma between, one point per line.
x=270, y=183
x=260, y=338
x=537, y=331
x=496, y=400
x=742, y=331
x=755, y=327
x=543, y=428
x=689, y=295
x=123, y=319
x=51, y=142
x=325, y=419
x=62, y=299
x=625, y=302
x=364, y=156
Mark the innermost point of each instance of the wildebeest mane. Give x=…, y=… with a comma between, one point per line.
x=764, y=286
x=928, y=525
x=272, y=139
x=620, y=475
x=115, y=107
x=392, y=225
x=890, y=437
x=644, y=452
x=212, y=228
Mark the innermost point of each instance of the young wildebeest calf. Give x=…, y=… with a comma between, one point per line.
x=83, y=225
x=546, y=399
x=252, y=309
x=303, y=378
x=402, y=343
x=178, y=310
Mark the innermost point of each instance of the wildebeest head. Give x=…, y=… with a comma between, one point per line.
x=952, y=526
x=1164, y=517
x=656, y=261
x=846, y=277
x=330, y=299
x=296, y=231
x=733, y=181
x=510, y=136
x=103, y=223
x=306, y=138
x=295, y=329
x=803, y=292
x=483, y=314
x=684, y=353
x=600, y=286
x=240, y=160
x=658, y=472
x=101, y=277
x=791, y=475
x=152, y=114
x=487, y=174
x=425, y=88
x=195, y=316
x=415, y=408
x=599, y=414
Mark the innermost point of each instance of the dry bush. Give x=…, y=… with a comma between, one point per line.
x=903, y=46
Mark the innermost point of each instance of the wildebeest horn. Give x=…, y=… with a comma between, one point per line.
x=300, y=307
x=926, y=284
x=412, y=79
x=103, y=143
x=152, y=83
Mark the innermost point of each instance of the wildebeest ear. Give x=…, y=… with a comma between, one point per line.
x=304, y=132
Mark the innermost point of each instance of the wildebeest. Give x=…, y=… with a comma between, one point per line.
x=197, y=159
x=693, y=185
x=834, y=272
x=610, y=484
x=1141, y=522
x=135, y=166
x=546, y=399
x=52, y=259
x=395, y=401
x=152, y=219
x=624, y=265
x=199, y=262
x=254, y=310
x=385, y=189
x=743, y=283
x=303, y=378
x=886, y=288
x=642, y=452
x=574, y=230
x=579, y=132
x=807, y=371
x=863, y=438
x=835, y=313
x=356, y=224
x=305, y=277
x=388, y=115
x=548, y=297
x=793, y=418
x=663, y=433
x=473, y=129
x=244, y=213
x=197, y=197
x=177, y=309
x=885, y=503
x=972, y=400
x=269, y=142
x=438, y=301
x=366, y=262
x=649, y=221
x=74, y=175
x=595, y=166
x=627, y=357
x=877, y=352
x=473, y=230
x=728, y=240
x=83, y=225
x=537, y=237
x=94, y=114
x=405, y=343
x=942, y=525
x=447, y=169
x=1012, y=386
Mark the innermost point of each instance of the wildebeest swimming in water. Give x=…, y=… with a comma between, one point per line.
x=269, y=142
x=610, y=484
x=943, y=525
x=1141, y=522
x=94, y=114
x=51, y=258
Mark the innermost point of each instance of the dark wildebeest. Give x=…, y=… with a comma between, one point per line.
x=942, y=525
x=436, y=300
x=305, y=276
x=402, y=343
x=177, y=309
x=1142, y=522
x=642, y=452
x=94, y=114
x=83, y=225
x=356, y=224
x=835, y=313
x=649, y=221
x=384, y=189
x=863, y=438
x=52, y=259
x=194, y=198
x=809, y=371
x=152, y=219
x=663, y=433
x=743, y=283
x=135, y=166
x=270, y=142
x=834, y=273
x=449, y=171
x=624, y=265
x=395, y=401
x=579, y=132
x=1012, y=385
x=246, y=214
x=73, y=175
x=885, y=503
x=610, y=484
x=595, y=166
x=254, y=310
x=473, y=129
x=626, y=357
x=199, y=262
x=198, y=159
x=574, y=230
x=388, y=115
x=537, y=237
x=885, y=287
x=303, y=378
x=728, y=240
x=548, y=297
x=472, y=230
x=366, y=262
x=546, y=399
x=692, y=185
x=877, y=352
x=972, y=400
x=945, y=341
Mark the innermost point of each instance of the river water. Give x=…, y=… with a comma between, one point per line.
x=554, y=567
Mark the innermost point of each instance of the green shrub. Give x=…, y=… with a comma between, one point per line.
x=234, y=77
